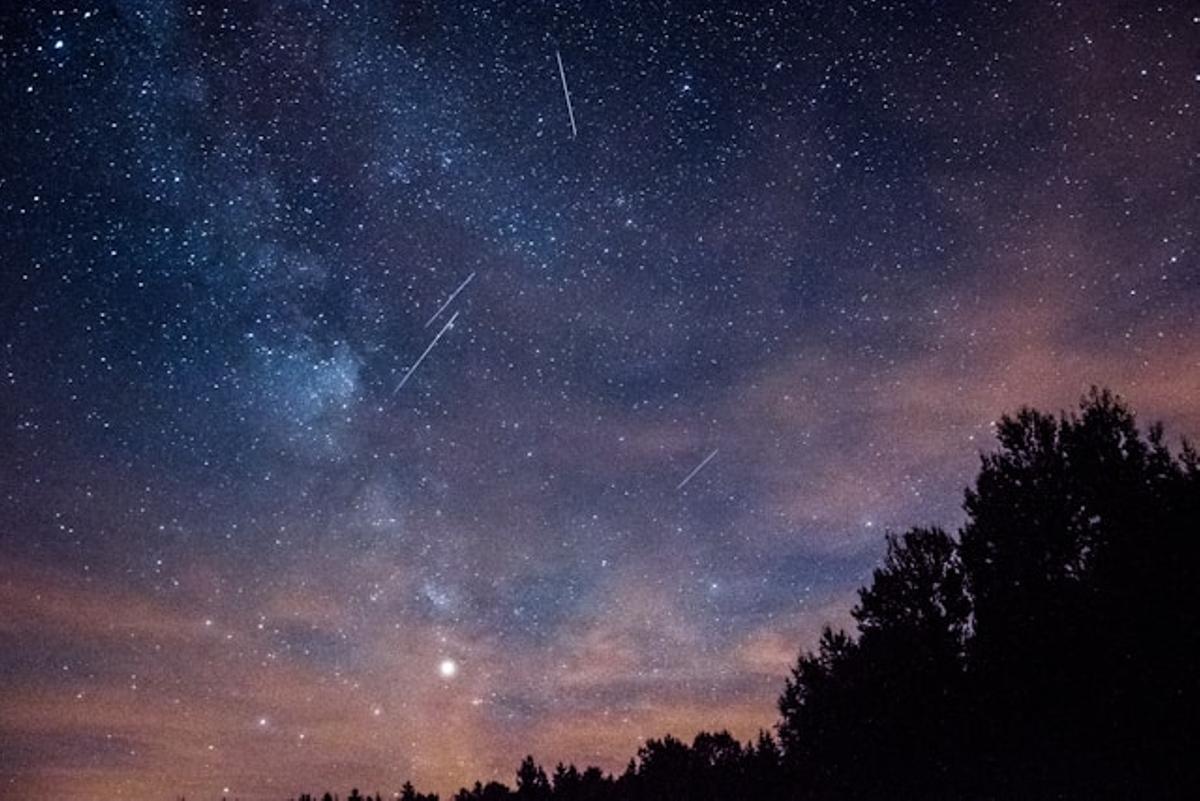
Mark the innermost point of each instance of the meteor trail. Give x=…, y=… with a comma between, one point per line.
x=566, y=93
x=417, y=363
x=450, y=299
x=697, y=469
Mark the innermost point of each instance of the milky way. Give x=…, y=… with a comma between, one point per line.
x=354, y=373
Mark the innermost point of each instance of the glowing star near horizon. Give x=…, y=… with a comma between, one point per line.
x=448, y=668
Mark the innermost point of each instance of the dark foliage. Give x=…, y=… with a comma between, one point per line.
x=1046, y=651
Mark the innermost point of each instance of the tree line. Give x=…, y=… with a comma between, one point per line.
x=1044, y=650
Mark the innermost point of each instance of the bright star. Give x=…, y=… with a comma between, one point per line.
x=448, y=668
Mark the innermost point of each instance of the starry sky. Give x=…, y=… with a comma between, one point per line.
x=280, y=511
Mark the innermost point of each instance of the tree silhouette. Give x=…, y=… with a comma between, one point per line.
x=492, y=791
x=1044, y=652
x=532, y=784
x=1079, y=553
x=409, y=793
x=1036, y=656
x=568, y=784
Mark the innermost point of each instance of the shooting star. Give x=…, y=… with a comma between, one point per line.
x=449, y=324
x=450, y=299
x=697, y=469
x=566, y=93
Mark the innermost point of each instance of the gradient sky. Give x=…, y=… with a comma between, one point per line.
x=831, y=242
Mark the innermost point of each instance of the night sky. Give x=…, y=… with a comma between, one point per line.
x=247, y=549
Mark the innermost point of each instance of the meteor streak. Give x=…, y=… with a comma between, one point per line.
x=449, y=324
x=566, y=93
x=697, y=469
x=450, y=299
